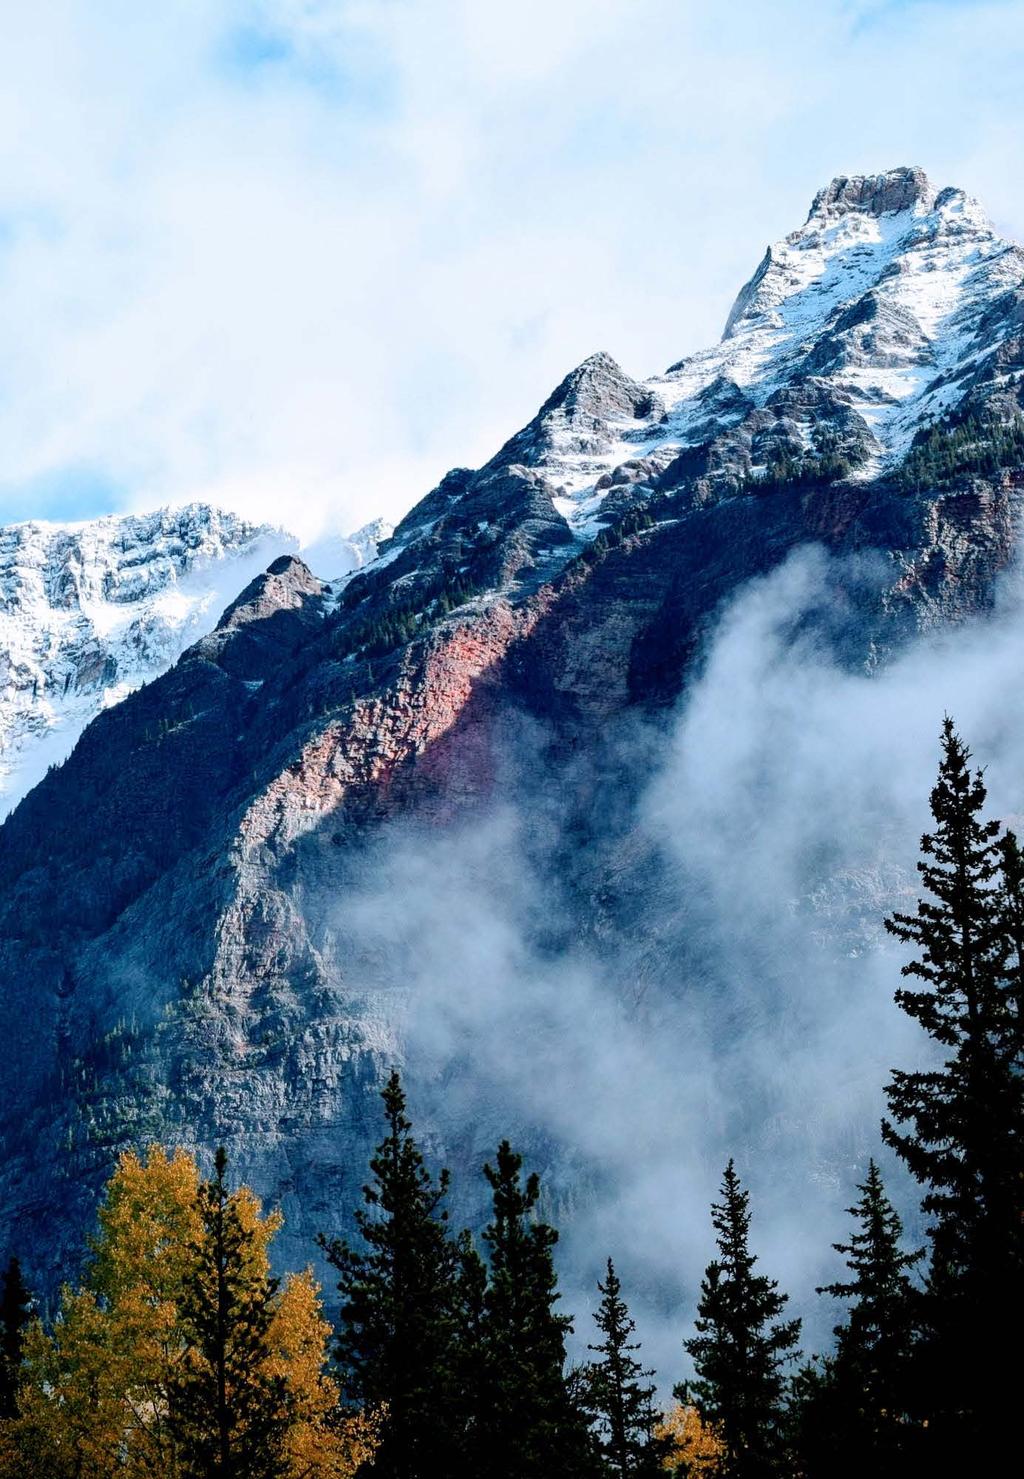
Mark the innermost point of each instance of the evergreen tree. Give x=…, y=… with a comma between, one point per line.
x=15, y=1304
x=529, y=1427
x=470, y=1354
x=228, y=1407
x=960, y=1126
x=815, y=1421
x=396, y=1345
x=862, y=1399
x=616, y=1394
x=740, y=1347
x=1010, y=923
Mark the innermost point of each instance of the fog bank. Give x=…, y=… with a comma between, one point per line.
x=736, y=996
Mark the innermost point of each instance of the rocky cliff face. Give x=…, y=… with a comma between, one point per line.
x=173, y=958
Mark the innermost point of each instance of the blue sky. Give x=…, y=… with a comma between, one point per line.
x=301, y=256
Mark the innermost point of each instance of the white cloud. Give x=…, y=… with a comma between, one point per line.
x=741, y=1003
x=304, y=256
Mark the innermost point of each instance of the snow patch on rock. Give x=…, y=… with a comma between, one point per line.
x=91, y=611
x=886, y=301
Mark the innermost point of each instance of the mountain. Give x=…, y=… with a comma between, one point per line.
x=892, y=305
x=215, y=911
x=91, y=611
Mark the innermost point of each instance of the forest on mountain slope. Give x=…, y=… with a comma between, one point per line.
x=178, y=1353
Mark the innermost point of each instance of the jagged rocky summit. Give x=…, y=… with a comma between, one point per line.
x=174, y=952
x=893, y=304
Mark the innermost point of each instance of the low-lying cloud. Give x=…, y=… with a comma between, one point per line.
x=741, y=1002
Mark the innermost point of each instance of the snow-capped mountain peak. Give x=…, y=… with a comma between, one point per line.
x=892, y=304
x=906, y=188
x=879, y=298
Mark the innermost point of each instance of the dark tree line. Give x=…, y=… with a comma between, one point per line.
x=453, y=1351
x=961, y=446
x=918, y=1378
x=464, y=1352
x=15, y=1312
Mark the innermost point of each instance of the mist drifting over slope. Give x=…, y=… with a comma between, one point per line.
x=737, y=998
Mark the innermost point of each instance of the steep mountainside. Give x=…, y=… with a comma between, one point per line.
x=90, y=611
x=172, y=954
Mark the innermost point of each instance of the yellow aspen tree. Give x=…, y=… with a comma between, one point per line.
x=71, y=1414
x=95, y=1385
x=322, y=1442
x=94, y=1401
x=148, y=1224
x=696, y=1450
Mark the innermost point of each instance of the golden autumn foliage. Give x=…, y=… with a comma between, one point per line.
x=94, y=1397
x=72, y=1413
x=320, y=1444
x=696, y=1448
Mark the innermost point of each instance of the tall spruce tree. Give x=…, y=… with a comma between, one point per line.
x=617, y=1395
x=1010, y=922
x=15, y=1312
x=863, y=1401
x=470, y=1354
x=960, y=1125
x=741, y=1347
x=530, y=1426
x=397, y=1347
x=228, y=1410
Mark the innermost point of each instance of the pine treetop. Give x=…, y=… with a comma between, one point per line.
x=229, y=1407
x=522, y=1273
x=954, y=929
x=967, y=1001
x=616, y=1393
x=741, y=1345
x=612, y=1316
x=530, y=1425
x=959, y=1126
x=875, y=1258
x=401, y=1302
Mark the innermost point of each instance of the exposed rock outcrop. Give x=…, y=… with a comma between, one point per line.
x=874, y=195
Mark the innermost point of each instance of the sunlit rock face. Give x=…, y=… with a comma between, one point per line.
x=181, y=951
